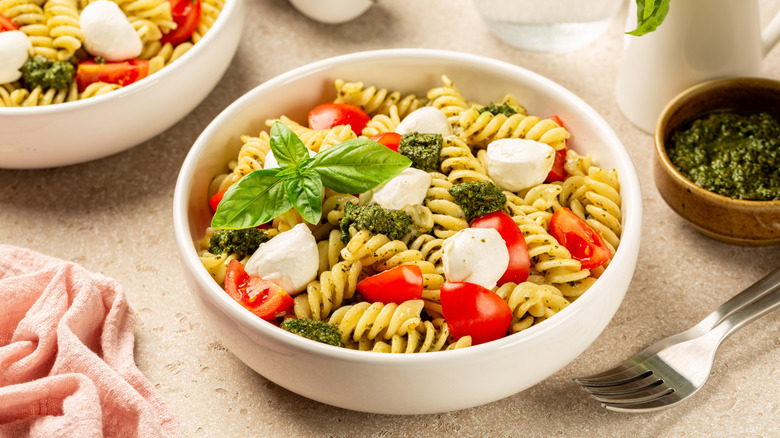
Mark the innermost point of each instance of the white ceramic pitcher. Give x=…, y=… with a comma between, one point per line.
x=699, y=40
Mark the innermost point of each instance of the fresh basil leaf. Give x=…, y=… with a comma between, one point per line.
x=288, y=149
x=255, y=199
x=288, y=172
x=649, y=15
x=358, y=165
x=305, y=194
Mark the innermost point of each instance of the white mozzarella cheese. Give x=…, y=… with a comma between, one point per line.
x=290, y=259
x=425, y=120
x=516, y=164
x=14, y=48
x=108, y=33
x=475, y=255
x=407, y=188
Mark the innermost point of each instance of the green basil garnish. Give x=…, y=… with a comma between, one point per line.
x=354, y=166
x=649, y=15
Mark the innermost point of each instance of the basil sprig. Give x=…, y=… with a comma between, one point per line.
x=353, y=166
x=649, y=15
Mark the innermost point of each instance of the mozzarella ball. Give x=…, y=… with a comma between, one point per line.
x=108, y=33
x=290, y=259
x=425, y=120
x=407, y=188
x=516, y=164
x=14, y=49
x=475, y=255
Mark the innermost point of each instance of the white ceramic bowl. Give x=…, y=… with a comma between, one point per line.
x=417, y=383
x=76, y=132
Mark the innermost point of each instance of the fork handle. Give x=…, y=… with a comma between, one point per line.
x=762, y=287
x=758, y=308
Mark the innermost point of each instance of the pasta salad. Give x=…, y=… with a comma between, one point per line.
x=397, y=223
x=57, y=51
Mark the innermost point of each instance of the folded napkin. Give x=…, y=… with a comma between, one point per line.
x=66, y=355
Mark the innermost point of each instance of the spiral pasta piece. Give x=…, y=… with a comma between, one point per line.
x=334, y=205
x=376, y=320
x=250, y=157
x=548, y=257
x=156, y=11
x=482, y=128
x=382, y=123
x=459, y=163
x=428, y=337
x=376, y=101
x=448, y=100
x=448, y=217
x=329, y=292
x=209, y=11
x=422, y=221
x=531, y=302
x=62, y=18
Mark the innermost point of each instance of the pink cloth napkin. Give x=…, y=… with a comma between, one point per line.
x=66, y=355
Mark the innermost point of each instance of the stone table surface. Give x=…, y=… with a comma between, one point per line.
x=113, y=216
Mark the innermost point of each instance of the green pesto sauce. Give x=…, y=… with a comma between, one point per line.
x=731, y=154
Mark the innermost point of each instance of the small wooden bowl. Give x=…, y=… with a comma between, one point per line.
x=727, y=219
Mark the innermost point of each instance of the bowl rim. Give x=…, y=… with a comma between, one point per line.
x=229, y=8
x=691, y=94
x=632, y=215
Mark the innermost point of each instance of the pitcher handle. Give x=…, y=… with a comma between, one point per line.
x=771, y=34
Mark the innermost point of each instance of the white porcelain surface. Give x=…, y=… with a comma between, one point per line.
x=76, y=132
x=403, y=384
x=332, y=11
x=699, y=40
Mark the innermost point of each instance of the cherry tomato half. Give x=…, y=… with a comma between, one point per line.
x=186, y=15
x=558, y=171
x=519, y=262
x=7, y=24
x=389, y=139
x=264, y=298
x=120, y=73
x=472, y=310
x=583, y=242
x=395, y=285
x=328, y=115
x=217, y=198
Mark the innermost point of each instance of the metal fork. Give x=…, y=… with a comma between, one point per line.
x=674, y=368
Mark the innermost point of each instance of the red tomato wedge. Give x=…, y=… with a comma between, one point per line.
x=389, y=139
x=472, y=310
x=583, y=242
x=558, y=172
x=217, y=198
x=519, y=262
x=7, y=24
x=328, y=115
x=395, y=285
x=264, y=298
x=186, y=15
x=120, y=73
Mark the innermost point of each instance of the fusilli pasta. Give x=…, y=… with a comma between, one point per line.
x=555, y=279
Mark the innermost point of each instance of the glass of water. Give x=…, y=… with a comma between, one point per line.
x=548, y=25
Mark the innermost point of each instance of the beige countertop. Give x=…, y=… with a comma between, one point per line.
x=113, y=216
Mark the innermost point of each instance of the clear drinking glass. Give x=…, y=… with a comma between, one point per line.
x=548, y=25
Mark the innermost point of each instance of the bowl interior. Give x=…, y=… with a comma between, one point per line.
x=409, y=71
